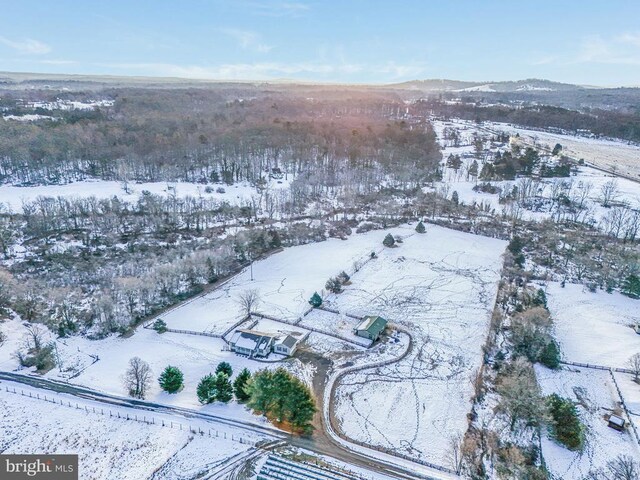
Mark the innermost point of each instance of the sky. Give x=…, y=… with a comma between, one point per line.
x=587, y=42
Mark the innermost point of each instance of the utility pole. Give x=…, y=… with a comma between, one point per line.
x=251, y=266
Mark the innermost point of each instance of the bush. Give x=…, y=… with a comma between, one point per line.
x=631, y=286
x=540, y=299
x=389, y=241
x=171, y=380
x=316, y=300
x=225, y=368
x=343, y=277
x=208, y=189
x=420, y=228
x=220, y=190
x=565, y=424
x=160, y=326
x=550, y=355
x=333, y=285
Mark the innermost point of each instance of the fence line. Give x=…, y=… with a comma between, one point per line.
x=624, y=407
x=597, y=367
x=212, y=433
x=313, y=329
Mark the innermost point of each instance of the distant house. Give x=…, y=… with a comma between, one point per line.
x=371, y=327
x=285, y=345
x=252, y=343
x=617, y=423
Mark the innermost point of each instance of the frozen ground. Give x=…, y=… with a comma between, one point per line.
x=238, y=194
x=594, y=327
x=441, y=286
x=285, y=282
x=338, y=324
x=108, y=447
x=595, y=395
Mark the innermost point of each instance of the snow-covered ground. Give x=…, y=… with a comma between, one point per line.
x=628, y=191
x=595, y=396
x=111, y=447
x=285, y=282
x=594, y=327
x=237, y=194
x=440, y=286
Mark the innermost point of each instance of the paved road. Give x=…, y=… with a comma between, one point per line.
x=318, y=443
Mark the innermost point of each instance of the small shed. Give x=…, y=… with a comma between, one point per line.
x=370, y=327
x=616, y=422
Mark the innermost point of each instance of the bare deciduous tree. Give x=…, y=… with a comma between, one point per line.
x=634, y=364
x=609, y=193
x=137, y=378
x=249, y=301
x=623, y=467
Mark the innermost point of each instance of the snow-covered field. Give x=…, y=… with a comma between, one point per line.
x=110, y=447
x=285, y=282
x=594, y=327
x=440, y=286
x=238, y=194
x=595, y=396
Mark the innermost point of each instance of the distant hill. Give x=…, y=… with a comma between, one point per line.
x=528, y=85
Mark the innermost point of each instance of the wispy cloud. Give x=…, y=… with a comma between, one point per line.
x=623, y=49
x=27, y=45
x=277, y=9
x=247, y=40
x=271, y=70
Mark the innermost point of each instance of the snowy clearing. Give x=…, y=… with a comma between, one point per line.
x=441, y=286
x=594, y=327
x=595, y=396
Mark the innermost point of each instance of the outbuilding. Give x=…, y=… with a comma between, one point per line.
x=617, y=423
x=285, y=345
x=370, y=327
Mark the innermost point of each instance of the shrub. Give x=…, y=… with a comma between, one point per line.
x=631, y=286
x=160, y=326
x=220, y=190
x=333, y=285
x=171, y=380
x=420, y=228
x=566, y=427
x=389, y=241
x=343, y=277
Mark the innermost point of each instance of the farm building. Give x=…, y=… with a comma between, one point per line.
x=616, y=422
x=371, y=327
x=252, y=343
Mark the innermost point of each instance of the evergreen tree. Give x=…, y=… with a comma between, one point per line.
x=206, y=390
x=171, y=379
x=316, y=300
x=420, y=228
x=389, y=241
x=565, y=424
x=283, y=398
x=160, y=326
x=240, y=385
x=454, y=198
x=540, y=298
x=225, y=368
x=550, y=355
x=631, y=286
x=556, y=150
x=223, y=388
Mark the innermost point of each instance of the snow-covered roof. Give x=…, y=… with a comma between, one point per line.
x=372, y=324
x=616, y=420
x=245, y=341
x=287, y=341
